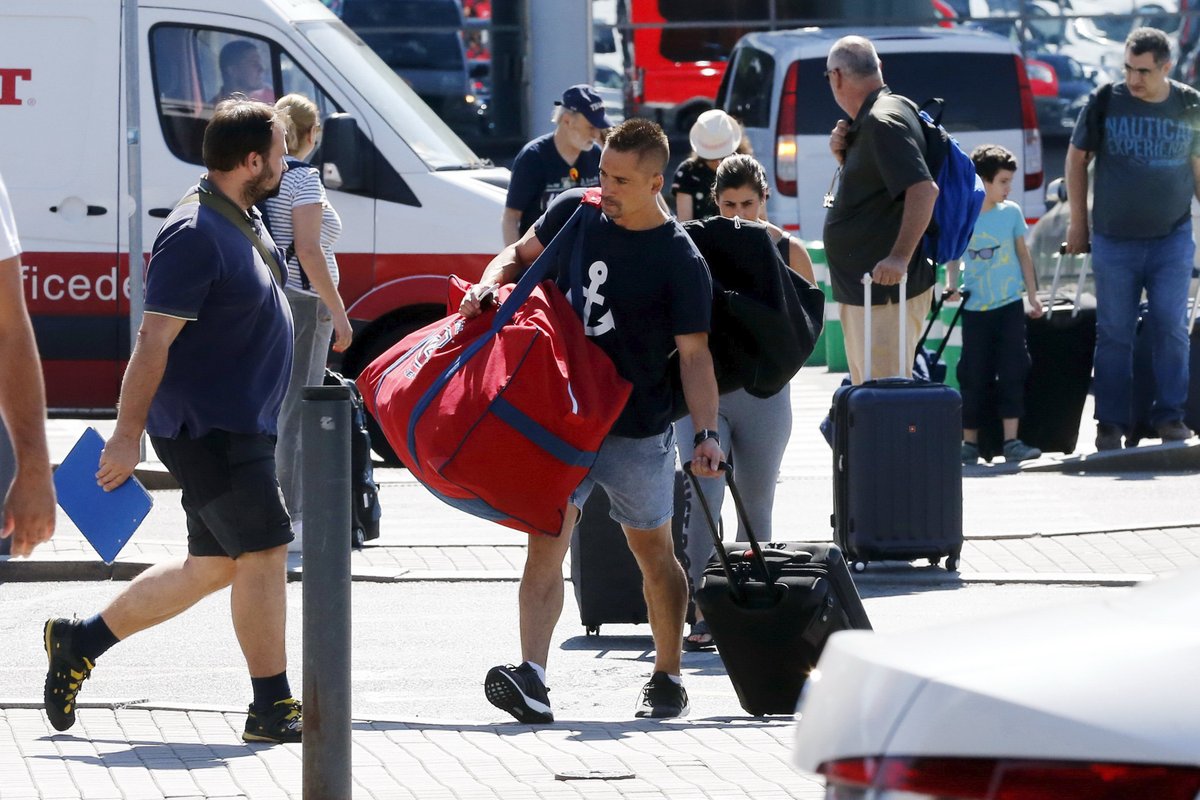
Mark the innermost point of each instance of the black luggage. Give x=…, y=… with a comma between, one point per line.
x=604, y=573
x=364, y=492
x=771, y=608
x=1062, y=346
x=1144, y=382
x=897, y=470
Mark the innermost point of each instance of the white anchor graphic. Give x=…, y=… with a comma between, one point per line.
x=598, y=272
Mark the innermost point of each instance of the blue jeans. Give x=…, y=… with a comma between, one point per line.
x=1123, y=267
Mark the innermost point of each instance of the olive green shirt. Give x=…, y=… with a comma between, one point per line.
x=885, y=156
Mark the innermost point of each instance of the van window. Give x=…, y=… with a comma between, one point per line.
x=388, y=94
x=981, y=90
x=195, y=68
x=750, y=85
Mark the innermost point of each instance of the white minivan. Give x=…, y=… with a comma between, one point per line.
x=775, y=86
x=416, y=203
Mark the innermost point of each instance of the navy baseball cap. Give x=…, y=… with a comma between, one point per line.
x=581, y=99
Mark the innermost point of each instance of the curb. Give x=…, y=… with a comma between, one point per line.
x=1171, y=457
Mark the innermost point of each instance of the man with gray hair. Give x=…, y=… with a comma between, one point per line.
x=1142, y=134
x=881, y=208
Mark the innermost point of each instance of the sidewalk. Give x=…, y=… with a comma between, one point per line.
x=1101, y=527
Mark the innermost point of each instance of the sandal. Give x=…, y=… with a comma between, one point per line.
x=699, y=639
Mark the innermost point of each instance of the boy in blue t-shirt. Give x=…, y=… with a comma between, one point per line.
x=997, y=270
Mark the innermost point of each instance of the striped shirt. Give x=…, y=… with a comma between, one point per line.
x=301, y=186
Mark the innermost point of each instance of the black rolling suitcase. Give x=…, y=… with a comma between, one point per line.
x=771, y=609
x=897, y=469
x=1062, y=346
x=604, y=573
x=1144, y=381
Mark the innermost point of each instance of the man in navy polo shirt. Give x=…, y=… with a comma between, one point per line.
x=551, y=164
x=205, y=381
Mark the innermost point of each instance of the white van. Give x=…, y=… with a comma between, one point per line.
x=775, y=85
x=415, y=202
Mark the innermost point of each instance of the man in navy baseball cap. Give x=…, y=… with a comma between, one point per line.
x=551, y=164
x=582, y=99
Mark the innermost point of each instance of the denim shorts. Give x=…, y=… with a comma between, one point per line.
x=230, y=492
x=639, y=477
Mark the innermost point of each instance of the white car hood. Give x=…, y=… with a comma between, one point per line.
x=1104, y=681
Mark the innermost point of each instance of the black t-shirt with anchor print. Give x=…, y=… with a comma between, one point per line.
x=640, y=290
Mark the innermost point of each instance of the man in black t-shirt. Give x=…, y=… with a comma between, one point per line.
x=646, y=292
x=882, y=208
x=551, y=164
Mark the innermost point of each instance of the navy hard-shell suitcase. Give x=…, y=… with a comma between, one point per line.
x=604, y=573
x=897, y=469
x=771, y=607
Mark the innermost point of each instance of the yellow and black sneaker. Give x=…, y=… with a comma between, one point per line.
x=284, y=723
x=66, y=673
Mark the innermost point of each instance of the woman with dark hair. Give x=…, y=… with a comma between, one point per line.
x=753, y=430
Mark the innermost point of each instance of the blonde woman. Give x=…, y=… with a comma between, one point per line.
x=305, y=226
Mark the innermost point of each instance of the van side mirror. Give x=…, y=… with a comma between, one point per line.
x=342, y=155
x=1056, y=192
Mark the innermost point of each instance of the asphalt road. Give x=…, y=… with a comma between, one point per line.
x=421, y=649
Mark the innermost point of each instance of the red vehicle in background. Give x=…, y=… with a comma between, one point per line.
x=675, y=61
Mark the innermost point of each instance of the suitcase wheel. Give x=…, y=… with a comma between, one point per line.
x=952, y=563
x=592, y=630
x=934, y=562
x=860, y=566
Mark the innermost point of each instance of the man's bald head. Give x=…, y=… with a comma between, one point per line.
x=856, y=58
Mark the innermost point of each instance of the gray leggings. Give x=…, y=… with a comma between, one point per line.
x=754, y=433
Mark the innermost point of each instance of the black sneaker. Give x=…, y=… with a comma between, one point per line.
x=662, y=698
x=66, y=673
x=520, y=692
x=283, y=724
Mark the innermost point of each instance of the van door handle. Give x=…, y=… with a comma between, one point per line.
x=92, y=211
x=159, y=213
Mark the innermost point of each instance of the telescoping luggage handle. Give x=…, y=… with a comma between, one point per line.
x=903, y=363
x=735, y=586
x=1058, y=259
x=964, y=295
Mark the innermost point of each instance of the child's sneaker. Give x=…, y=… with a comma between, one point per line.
x=1016, y=450
x=970, y=454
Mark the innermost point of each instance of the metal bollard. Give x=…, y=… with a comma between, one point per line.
x=325, y=431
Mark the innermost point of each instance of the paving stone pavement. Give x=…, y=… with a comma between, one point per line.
x=1021, y=527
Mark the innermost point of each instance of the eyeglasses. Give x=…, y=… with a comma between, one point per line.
x=830, y=71
x=983, y=253
x=1141, y=72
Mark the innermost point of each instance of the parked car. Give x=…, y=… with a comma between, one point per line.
x=1075, y=81
x=774, y=86
x=1095, y=700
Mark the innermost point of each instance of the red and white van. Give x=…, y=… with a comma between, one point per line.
x=416, y=203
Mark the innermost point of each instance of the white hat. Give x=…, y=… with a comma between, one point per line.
x=715, y=134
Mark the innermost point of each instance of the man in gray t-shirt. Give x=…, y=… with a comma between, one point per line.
x=1142, y=135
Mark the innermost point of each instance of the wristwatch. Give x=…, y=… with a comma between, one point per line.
x=701, y=435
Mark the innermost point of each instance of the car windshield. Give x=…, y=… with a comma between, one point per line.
x=415, y=123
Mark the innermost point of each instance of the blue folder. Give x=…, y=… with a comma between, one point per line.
x=106, y=519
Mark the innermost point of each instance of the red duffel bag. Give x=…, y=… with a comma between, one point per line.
x=500, y=416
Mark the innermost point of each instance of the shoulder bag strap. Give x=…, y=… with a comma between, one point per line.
x=219, y=203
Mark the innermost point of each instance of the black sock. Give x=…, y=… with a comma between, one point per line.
x=93, y=638
x=269, y=691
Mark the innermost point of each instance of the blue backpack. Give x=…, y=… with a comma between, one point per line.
x=960, y=190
